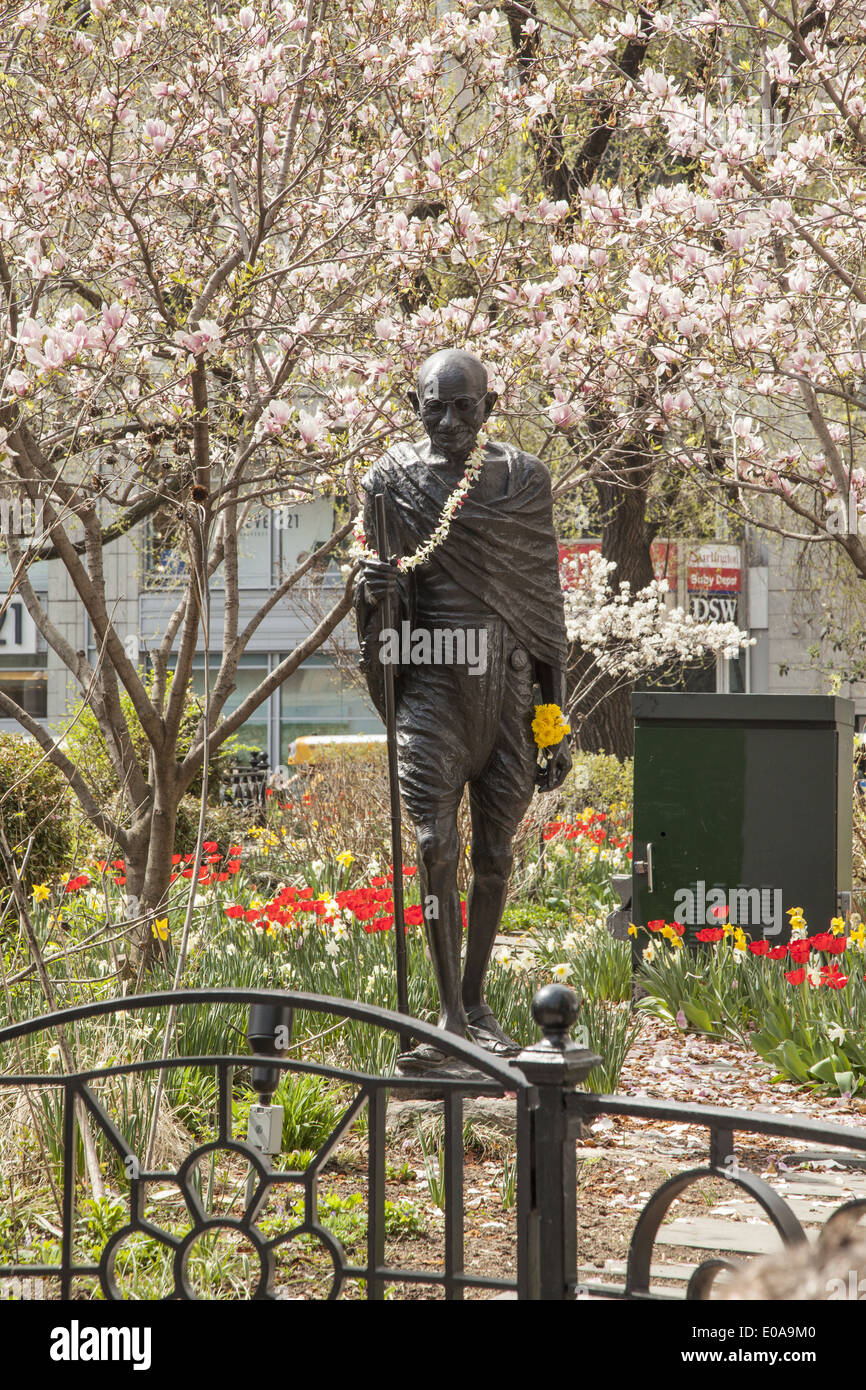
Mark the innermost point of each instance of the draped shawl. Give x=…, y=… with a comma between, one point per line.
x=503, y=552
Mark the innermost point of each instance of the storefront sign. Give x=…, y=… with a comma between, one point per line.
x=17, y=629
x=714, y=580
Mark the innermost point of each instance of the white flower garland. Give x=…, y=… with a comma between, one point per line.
x=359, y=550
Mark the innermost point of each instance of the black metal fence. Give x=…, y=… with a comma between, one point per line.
x=245, y=785
x=550, y=1111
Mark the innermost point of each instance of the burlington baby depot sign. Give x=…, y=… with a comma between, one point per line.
x=714, y=580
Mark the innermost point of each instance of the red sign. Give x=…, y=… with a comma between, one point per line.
x=571, y=558
x=714, y=569
x=665, y=562
x=662, y=553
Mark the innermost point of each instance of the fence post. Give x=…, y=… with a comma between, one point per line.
x=555, y=1066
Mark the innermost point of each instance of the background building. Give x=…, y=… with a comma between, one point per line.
x=760, y=584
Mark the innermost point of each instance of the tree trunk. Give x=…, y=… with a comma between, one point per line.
x=149, y=870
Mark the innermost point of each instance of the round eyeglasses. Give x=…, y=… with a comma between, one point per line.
x=464, y=405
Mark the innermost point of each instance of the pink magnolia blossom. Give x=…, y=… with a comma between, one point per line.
x=310, y=427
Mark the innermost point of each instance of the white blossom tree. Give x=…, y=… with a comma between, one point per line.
x=629, y=635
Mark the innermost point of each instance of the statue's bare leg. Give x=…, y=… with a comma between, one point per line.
x=492, y=860
x=439, y=848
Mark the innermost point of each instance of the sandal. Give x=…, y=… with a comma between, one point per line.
x=422, y=1059
x=486, y=1030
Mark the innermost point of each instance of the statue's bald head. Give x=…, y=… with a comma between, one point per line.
x=454, y=367
x=452, y=400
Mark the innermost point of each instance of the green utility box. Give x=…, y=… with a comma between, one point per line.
x=742, y=803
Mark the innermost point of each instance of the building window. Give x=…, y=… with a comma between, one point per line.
x=26, y=684
x=318, y=698
x=250, y=673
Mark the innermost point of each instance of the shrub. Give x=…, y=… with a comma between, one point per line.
x=599, y=780
x=612, y=1028
x=34, y=800
x=226, y=824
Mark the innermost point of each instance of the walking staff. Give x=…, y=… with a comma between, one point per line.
x=394, y=787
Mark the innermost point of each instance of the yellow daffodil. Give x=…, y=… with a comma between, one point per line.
x=41, y=891
x=858, y=936
x=740, y=940
x=632, y=929
x=837, y=925
x=548, y=726
x=345, y=859
x=160, y=929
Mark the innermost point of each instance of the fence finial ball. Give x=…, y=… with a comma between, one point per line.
x=554, y=1009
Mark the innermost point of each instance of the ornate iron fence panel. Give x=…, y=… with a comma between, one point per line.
x=722, y=1125
x=78, y=1091
x=550, y=1113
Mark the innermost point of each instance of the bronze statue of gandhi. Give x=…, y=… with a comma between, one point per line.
x=494, y=581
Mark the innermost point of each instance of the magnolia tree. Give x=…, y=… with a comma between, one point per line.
x=229, y=235
x=708, y=301
x=192, y=262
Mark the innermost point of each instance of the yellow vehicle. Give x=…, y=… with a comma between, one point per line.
x=318, y=748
